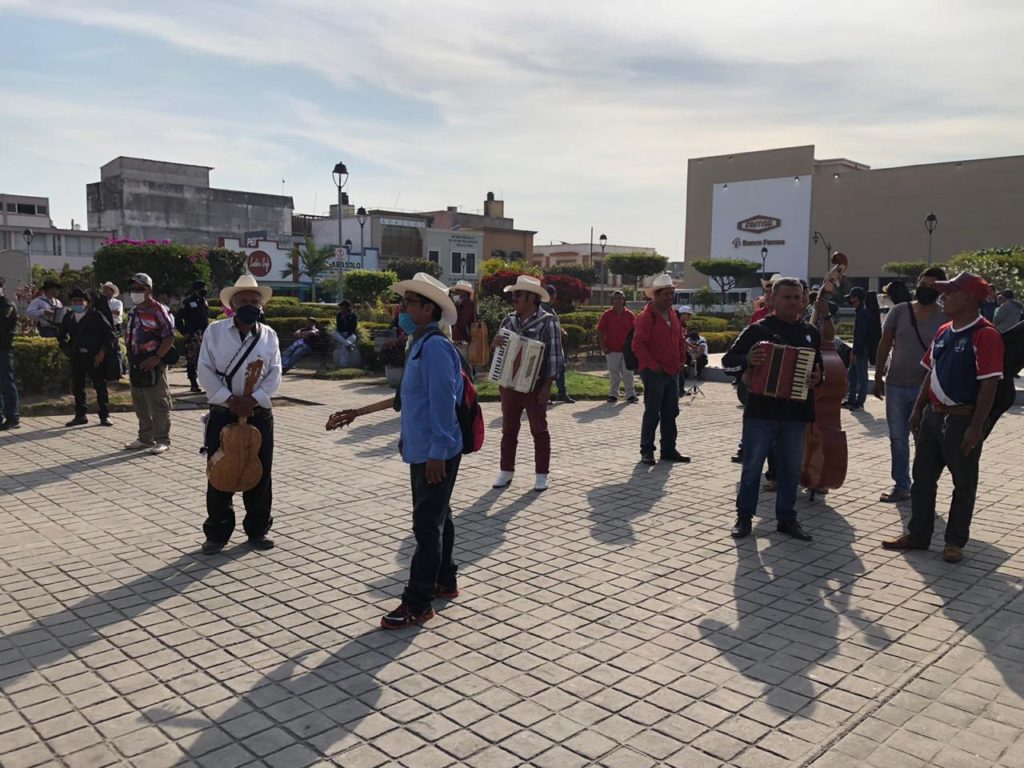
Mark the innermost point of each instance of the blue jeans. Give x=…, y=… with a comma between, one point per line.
x=899, y=405
x=857, y=392
x=8, y=386
x=759, y=436
x=298, y=350
x=661, y=406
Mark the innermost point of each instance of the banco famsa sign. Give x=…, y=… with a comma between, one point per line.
x=758, y=224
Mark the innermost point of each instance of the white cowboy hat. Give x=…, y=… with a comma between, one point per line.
x=245, y=283
x=661, y=281
x=528, y=283
x=686, y=310
x=430, y=288
x=112, y=287
x=464, y=285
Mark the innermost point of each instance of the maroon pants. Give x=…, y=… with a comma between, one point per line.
x=512, y=406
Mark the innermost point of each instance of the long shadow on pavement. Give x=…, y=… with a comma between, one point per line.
x=615, y=506
x=597, y=413
x=37, y=478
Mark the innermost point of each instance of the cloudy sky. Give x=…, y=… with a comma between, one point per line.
x=578, y=113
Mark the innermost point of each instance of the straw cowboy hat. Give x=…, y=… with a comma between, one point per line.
x=116, y=291
x=465, y=286
x=767, y=283
x=530, y=284
x=245, y=283
x=661, y=281
x=431, y=289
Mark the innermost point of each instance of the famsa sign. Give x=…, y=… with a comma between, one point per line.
x=758, y=224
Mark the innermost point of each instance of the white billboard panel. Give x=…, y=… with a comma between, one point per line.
x=747, y=216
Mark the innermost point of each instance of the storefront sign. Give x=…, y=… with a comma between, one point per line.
x=759, y=224
x=259, y=263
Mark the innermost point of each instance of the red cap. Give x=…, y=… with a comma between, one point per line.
x=972, y=285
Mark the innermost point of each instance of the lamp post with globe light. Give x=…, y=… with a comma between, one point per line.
x=603, y=240
x=931, y=221
x=361, y=218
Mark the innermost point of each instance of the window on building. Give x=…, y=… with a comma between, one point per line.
x=515, y=256
x=456, y=263
x=401, y=242
x=434, y=256
x=470, y=263
x=12, y=208
x=41, y=209
x=27, y=209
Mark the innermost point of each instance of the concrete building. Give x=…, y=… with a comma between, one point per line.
x=154, y=200
x=50, y=246
x=779, y=198
x=501, y=238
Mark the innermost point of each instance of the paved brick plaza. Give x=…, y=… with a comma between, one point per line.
x=610, y=621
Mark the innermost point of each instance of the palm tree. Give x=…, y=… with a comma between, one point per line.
x=312, y=262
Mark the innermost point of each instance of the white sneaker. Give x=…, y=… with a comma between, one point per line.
x=159, y=448
x=137, y=445
x=541, y=483
x=503, y=479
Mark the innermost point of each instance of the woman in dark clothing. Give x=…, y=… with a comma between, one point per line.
x=87, y=337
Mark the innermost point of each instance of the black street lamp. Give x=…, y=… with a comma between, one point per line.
x=764, y=258
x=340, y=176
x=931, y=221
x=603, y=240
x=28, y=234
x=828, y=250
x=361, y=218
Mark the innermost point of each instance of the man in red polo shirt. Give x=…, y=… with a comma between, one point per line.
x=661, y=352
x=612, y=329
x=950, y=420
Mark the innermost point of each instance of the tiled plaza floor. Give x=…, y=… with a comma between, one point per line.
x=609, y=621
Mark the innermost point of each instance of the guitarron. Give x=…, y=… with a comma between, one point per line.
x=236, y=464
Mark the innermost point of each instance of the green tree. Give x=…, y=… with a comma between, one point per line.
x=364, y=286
x=172, y=266
x=1002, y=267
x=587, y=275
x=907, y=271
x=84, y=278
x=407, y=268
x=226, y=266
x=632, y=267
x=313, y=262
x=726, y=272
x=704, y=297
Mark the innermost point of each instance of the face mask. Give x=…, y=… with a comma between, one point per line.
x=457, y=298
x=248, y=314
x=926, y=295
x=137, y=297
x=406, y=324
x=78, y=308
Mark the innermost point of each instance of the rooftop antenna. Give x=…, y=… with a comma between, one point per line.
x=282, y=187
x=395, y=206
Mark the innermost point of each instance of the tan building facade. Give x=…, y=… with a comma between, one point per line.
x=778, y=199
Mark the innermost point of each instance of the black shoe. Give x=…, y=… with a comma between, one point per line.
x=404, y=616
x=633, y=399
x=647, y=458
x=794, y=529
x=742, y=528
x=106, y=422
x=567, y=398
x=195, y=388
x=612, y=399
x=211, y=547
x=10, y=425
x=855, y=407
x=77, y=421
x=737, y=458
x=262, y=543
x=675, y=456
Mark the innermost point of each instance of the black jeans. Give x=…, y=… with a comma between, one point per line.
x=220, y=510
x=435, y=535
x=661, y=406
x=82, y=368
x=938, y=448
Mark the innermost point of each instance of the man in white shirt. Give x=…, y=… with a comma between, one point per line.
x=229, y=347
x=42, y=310
x=111, y=291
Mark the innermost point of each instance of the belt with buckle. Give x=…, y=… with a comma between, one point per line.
x=953, y=410
x=258, y=411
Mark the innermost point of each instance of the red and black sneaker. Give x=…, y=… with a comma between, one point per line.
x=403, y=616
x=446, y=593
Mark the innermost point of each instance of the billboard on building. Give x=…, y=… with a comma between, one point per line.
x=747, y=216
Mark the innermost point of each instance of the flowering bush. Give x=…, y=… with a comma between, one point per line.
x=569, y=291
x=173, y=266
x=392, y=354
x=1003, y=268
x=495, y=283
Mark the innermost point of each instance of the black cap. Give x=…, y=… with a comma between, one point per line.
x=856, y=292
x=1007, y=294
x=199, y=285
x=77, y=293
x=48, y=284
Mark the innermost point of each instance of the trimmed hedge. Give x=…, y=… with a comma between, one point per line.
x=39, y=366
x=720, y=341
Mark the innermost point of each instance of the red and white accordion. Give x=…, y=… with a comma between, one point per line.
x=785, y=373
x=516, y=365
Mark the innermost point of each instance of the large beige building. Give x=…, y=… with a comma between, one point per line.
x=777, y=199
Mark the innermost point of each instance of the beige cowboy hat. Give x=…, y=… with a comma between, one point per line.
x=432, y=289
x=465, y=286
x=767, y=283
x=661, y=281
x=245, y=283
x=530, y=284
x=112, y=287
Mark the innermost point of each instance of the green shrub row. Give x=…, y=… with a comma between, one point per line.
x=39, y=366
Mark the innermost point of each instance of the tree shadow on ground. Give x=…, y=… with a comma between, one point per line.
x=615, y=506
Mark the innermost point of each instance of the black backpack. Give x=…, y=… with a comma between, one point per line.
x=1013, y=361
x=628, y=355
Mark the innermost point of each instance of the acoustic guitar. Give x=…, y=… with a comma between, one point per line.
x=236, y=464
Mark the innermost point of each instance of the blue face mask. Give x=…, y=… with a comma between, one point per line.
x=248, y=314
x=78, y=309
x=406, y=324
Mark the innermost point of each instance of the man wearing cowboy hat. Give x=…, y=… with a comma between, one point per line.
x=149, y=338
x=111, y=291
x=228, y=347
x=42, y=310
x=532, y=322
x=462, y=295
x=660, y=350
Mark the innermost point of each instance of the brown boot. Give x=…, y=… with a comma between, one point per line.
x=902, y=542
x=952, y=553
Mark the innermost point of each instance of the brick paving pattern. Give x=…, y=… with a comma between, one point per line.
x=609, y=621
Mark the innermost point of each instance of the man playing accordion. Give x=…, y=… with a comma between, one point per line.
x=773, y=421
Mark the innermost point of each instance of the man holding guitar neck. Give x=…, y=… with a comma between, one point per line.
x=229, y=347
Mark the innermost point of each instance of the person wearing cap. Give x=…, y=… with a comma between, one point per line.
x=612, y=330
x=10, y=418
x=43, y=310
x=857, y=389
x=149, y=336
x=463, y=295
x=529, y=320
x=950, y=420
x=431, y=444
x=346, y=336
x=697, y=351
x=1009, y=311
x=908, y=330
x=192, y=320
x=562, y=394
x=87, y=337
x=228, y=348
x=660, y=349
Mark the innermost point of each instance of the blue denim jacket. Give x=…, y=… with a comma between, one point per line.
x=431, y=388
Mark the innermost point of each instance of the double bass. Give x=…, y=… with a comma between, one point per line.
x=236, y=464
x=825, y=453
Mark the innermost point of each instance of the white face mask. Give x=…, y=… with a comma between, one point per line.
x=138, y=297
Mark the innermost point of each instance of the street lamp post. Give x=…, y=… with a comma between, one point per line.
x=931, y=221
x=764, y=258
x=603, y=239
x=828, y=250
x=361, y=218
x=340, y=176
x=28, y=234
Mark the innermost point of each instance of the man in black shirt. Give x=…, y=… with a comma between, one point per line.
x=769, y=421
x=9, y=416
x=87, y=337
x=193, y=317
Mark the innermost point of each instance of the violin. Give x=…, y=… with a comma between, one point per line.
x=825, y=451
x=236, y=464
